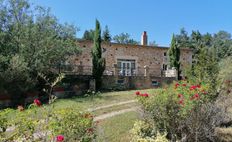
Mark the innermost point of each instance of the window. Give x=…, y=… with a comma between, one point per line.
x=165, y=53
x=126, y=67
x=165, y=67
x=155, y=83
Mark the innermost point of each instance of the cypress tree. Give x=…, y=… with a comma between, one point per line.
x=97, y=60
x=174, y=55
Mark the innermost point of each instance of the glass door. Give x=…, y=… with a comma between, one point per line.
x=126, y=68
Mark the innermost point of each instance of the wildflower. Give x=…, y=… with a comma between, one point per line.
x=204, y=92
x=193, y=87
x=176, y=85
x=137, y=93
x=196, y=96
x=20, y=108
x=181, y=102
x=37, y=102
x=184, y=85
x=145, y=95
x=60, y=138
x=180, y=95
x=198, y=86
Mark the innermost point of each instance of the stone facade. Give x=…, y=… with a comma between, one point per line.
x=149, y=59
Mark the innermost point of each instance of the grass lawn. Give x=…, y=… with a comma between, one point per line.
x=112, y=129
x=99, y=100
x=117, y=128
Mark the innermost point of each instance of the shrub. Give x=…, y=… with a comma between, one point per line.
x=74, y=125
x=143, y=132
x=225, y=76
x=4, y=122
x=183, y=110
x=42, y=123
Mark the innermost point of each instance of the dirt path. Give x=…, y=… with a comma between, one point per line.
x=114, y=113
x=111, y=105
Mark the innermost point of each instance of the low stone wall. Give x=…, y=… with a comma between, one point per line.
x=77, y=85
x=135, y=82
x=72, y=85
x=7, y=100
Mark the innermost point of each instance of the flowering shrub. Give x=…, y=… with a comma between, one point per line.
x=42, y=123
x=72, y=124
x=169, y=109
x=188, y=96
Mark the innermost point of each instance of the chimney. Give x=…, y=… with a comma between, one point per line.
x=144, y=38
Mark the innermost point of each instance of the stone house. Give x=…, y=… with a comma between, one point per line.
x=129, y=66
x=127, y=59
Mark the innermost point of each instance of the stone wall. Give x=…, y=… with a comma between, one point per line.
x=134, y=82
x=76, y=85
x=150, y=56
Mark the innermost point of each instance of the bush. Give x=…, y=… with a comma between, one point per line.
x=41, y=123
x=74, y=125
x=185, y=111
x=225, y=76
x=142, y=132
x=4, y=121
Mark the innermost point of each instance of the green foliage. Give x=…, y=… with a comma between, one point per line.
x=124, y=38
x=31, y=42
x=4, y=121
x=225, y=77
x=169, y=110
x=106, y=35
x=24, y=126
x=206, y=68
x=88, y=35
x=97, y=60
x=183, y=39
x=44, y=124
x=142, y=131
x=174, y=55
x=221, y=41
x=75, y=126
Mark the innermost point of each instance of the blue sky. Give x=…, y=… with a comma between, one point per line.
x=160, y=18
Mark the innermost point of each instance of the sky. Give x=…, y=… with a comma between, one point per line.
x=160, y=18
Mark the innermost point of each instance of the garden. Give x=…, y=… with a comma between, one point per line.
x=197, y=107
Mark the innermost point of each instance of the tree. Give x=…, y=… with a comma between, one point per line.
x=174, y=56
x=88, y=34
x=223, y=43
x=124, y=38
x=205, y=65
x=97, y=60
x=183, y=39
x=31, y=42
x=106, y=35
